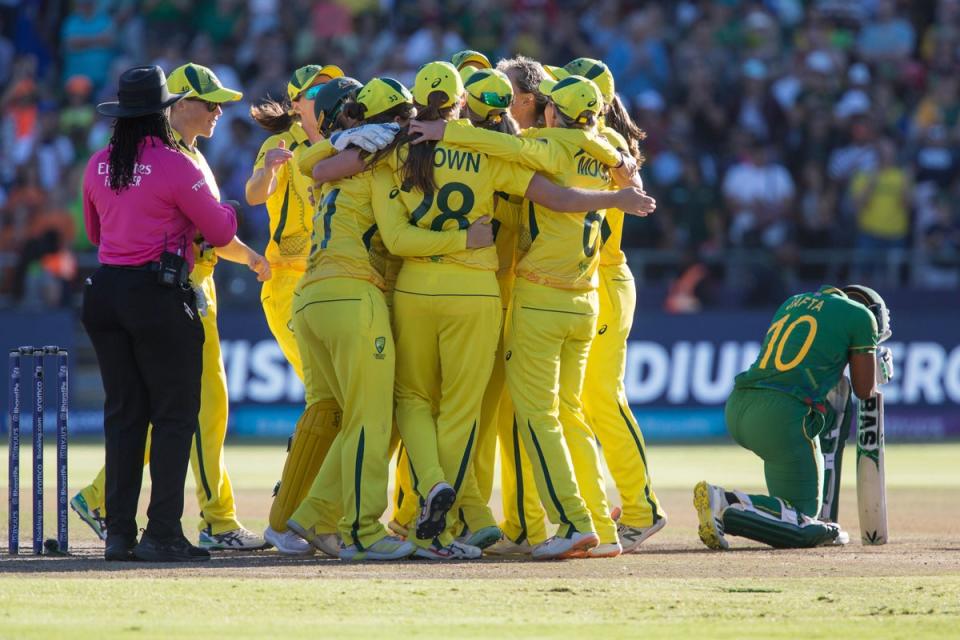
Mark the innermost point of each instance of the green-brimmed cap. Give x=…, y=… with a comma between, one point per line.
x=593, y=70
x=438, y=76
x=489, y=92
x=197, y=81
x=574, y=96
x=382, y=94
x=461, y=58
x=305, y=76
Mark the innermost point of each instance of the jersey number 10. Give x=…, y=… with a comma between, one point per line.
x=780, y=337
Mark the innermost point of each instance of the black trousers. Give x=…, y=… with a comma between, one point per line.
x=149, y=344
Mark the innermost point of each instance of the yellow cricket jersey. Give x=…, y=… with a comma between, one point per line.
x=466, y=184
x=305, y=157
x=611, y=233
x=347, y=240
x=289, y=205
x=203, y=254
x=545, y=154
x=562, y=250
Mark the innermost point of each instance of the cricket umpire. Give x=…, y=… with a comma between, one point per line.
x=144, y=202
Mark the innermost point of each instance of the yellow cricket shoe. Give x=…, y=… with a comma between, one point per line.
x=710, y=502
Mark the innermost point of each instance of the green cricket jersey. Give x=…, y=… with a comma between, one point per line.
x=808, y=344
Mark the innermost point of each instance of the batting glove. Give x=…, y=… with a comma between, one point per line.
x=884, y=365
x=369, y=137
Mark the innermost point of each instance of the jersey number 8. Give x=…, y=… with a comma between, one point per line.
x=459, y=214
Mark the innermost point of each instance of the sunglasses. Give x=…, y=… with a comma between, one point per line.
x=211, y=106
x=312, y=92
x=494, y=99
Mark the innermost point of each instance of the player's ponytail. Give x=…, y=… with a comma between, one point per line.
x=354, y=111
x=417, y=169
x=403, y=111
x=617, y=118
x=273, y=116
x=497, y=120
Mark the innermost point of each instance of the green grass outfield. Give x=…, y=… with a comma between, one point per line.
x=675, y=588
x=541, y=608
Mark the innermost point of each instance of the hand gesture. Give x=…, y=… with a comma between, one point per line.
x=276, y=157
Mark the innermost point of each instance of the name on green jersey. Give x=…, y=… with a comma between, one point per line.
x=806, y=302
x=456, y=159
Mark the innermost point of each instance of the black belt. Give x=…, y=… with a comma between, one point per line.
x=152, y=267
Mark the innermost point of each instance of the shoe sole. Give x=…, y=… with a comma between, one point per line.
x=213, y=546
x=89, y=521
x=591, y=554
x=651, y=530
x=435, y=522
x=116, y=557
x=707, y=529
x=366, y=556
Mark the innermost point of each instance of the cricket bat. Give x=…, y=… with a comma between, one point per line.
x=871, y=485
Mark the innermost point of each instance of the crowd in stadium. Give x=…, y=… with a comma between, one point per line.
x=777, y=126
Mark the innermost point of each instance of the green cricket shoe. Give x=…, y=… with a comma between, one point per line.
x=484, y=537
x=91, y=517
x=384, y=549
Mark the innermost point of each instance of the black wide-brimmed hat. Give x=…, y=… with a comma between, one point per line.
x=142, y=90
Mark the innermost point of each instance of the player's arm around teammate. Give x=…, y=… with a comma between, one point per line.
x=343, y=327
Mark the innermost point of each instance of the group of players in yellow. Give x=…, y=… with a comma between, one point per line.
x=444, y=273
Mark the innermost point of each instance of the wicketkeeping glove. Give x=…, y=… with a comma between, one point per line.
x=884, y=365
x=369, y=137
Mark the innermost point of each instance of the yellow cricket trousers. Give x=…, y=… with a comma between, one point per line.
x=605, y=400
x=343, y=328
x=214, y=490
x=547, y=347
x=446, y=323
x=523, y=514
x=276, y=296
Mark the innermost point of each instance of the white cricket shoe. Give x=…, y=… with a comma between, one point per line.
x=326, y=543
x=602, y=550
x=632, y=537
x=507, y=547
x=557, y=548
x=842, y=539
x=386, y=548
x=710, y=502
x=236, y=540
x=288, y=543
x=453, y=551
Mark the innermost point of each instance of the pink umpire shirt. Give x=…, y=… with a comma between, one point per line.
x=168, y=199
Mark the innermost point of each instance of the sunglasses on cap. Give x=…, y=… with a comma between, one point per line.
x=312, y=92
x=494, y=99
x=211, y=106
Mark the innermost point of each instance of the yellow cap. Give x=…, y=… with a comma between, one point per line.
x=461, y=58
x=575, y=96
x=382, y=94
x=303, y=77
x=438, y=76
x=595, y=70
x=489, y=92
x=196, y=81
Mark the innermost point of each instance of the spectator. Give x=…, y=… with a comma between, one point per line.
x=889, y=38
x=89, y=36
x=759, y=193
x=881, y=198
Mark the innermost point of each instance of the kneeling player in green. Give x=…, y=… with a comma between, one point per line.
x=790, y=403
